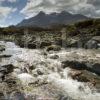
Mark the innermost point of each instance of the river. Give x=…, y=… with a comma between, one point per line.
x=34, y=66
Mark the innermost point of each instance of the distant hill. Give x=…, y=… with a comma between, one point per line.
x=46, y=20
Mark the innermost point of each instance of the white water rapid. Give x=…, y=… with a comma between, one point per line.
x=49, y=70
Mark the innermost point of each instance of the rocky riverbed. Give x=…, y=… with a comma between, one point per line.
x=48, y=74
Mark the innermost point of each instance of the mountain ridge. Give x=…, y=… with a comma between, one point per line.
x=46, y=20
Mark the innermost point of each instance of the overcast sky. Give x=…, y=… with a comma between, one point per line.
x=13, y=11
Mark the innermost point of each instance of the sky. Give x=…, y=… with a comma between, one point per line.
x=14, y=11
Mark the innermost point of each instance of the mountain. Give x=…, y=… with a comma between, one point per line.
x=46, y=20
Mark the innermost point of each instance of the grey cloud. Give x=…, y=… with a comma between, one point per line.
x=86, y=7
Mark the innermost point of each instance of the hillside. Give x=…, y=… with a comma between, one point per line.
x=47, y=20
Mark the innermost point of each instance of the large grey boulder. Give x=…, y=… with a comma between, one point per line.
x=91, y=44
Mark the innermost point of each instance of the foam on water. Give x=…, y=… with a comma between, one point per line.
x=26, y=78
x=72, y=88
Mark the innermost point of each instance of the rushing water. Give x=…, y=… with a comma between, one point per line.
x=53, y=73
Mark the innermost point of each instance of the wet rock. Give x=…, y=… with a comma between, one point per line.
x=73, y=43
x=96, y=38
x=39, y=71
x=2, y=48
x=64, y=97
x=91, y=44
x=82, y=78
x=7, y=68
x=2, y=77
x=4, y=70
x=9, y=86
x=74, y=74
x=45, y=44
x=61, y=42
x=82, y=65
x=53, y=48
x=54, y=57
x=74, y=64
x=2, y=97
x=18, y=96
x=31, y=45
x=96, y=68
x=27, y=44
x=5, y=56
x=32, y=67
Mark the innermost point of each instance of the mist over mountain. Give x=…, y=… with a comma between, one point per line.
x=46, y=20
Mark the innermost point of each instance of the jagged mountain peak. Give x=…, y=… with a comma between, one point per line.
x=46, y=20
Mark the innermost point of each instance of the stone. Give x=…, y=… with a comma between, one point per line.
x=6, y=69
x=45, y=44
x=5, y=56
x=96, y=38
x=2, y=48
x=75, y=73
x=31, y=45
x=54, y=57
x=53, y=48
x=40, y=71
x=91, y=44
x=78, y=75
x=74, y=64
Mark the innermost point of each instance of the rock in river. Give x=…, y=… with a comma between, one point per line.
x=2, y=47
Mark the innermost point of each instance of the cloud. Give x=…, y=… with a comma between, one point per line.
x=86, y=7
x=11, y=1
x=4, y=11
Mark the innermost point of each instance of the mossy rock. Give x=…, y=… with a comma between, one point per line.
x=53, y=48
x=45, y=44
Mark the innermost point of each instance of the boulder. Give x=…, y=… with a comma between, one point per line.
x=40, y=72
x=6, y=69
x=54, y=57
x=96, y=38
x=53, y=48
x=82, y=78
x=95, y=67
x=5, y=56
x=45, y=44
x=2, y=96
x=2, y=48
x=75, y=74
x=61, y=42
x=31, y=45
x=74, y=64
x=91, y=44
